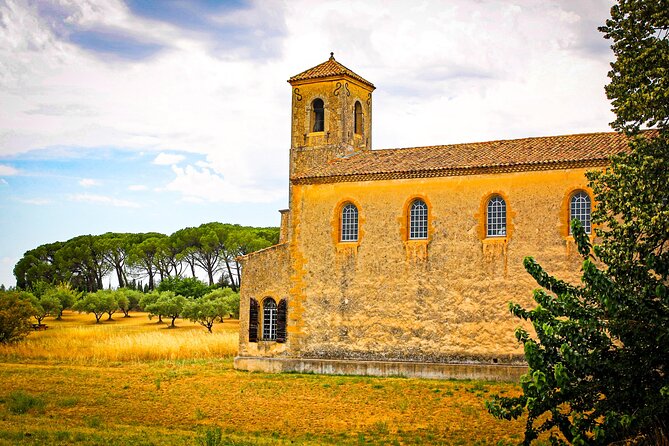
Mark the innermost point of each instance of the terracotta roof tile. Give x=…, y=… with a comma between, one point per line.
x=540, y=153
x=327, y=69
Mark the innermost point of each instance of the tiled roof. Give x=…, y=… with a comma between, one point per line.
x=327, y=69
x=543, y=153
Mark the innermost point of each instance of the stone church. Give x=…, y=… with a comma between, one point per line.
x=403, y=261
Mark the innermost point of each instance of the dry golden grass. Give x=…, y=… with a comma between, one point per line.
x=78, y=338
x=133, y=382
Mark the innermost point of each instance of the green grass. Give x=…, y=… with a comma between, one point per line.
x=20, y=402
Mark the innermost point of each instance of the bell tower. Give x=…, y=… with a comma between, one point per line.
x=331, y=115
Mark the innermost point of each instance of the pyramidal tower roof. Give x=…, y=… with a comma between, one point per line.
x=329, y=68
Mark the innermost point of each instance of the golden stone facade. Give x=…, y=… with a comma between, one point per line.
x=386, y=302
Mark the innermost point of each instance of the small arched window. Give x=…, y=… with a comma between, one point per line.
x=349, y=223
x=580, y=207
x=318, y=115
x=496, y=217
x=358, y=118
x=269, y=319
x=418, y=220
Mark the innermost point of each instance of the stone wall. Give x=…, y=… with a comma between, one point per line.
x=266, y=273
x=443, y=299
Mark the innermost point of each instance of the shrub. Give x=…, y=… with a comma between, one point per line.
x=15, y=316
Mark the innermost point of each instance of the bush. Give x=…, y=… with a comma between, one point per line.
x=15, y=316
x=187, y=287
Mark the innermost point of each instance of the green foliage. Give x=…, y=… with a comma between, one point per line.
x=639, y=82
x=167, y=304
x=229, y=298
x=205, y=311
x=20, y=402
x=188, y=287
x=128, y=299
x=64, y=294
x=98, y=303
x=15, y=313
x=599, y=363
x=47, y=305
x=84, y=261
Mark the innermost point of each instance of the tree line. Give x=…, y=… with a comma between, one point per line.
x=142, y=260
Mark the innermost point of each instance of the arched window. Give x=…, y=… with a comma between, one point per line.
x=269, y=319
x=496, y=217
x=349, y=223
x=580, y=207
x=358, y=118
x=418, y=220
x=318, y=115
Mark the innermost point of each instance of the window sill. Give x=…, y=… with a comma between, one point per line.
x=496, y=240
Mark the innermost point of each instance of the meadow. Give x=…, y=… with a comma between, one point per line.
x=131, y=381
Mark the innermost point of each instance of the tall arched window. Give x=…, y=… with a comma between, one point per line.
x=358, y=118
x=349, y=223
x=269, y=319
x=418, y=220
x=496, y=217
x=318, y=115
x=580, y=207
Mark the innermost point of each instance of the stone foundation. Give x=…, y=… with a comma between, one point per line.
x=486, y=372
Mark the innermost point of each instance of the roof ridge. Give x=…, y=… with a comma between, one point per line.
x=330, y=67
x=458, y=144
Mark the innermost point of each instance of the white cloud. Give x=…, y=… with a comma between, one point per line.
x=166, y=159
x=4, y=182
x=7, y=171
x=446, y=72
x=197, y=185
x=103, y=199
x=137, y=187
x=88, y=182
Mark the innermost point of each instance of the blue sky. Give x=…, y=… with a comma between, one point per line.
x=146, y=116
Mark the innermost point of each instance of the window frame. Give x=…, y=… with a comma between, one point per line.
x=580, y=210
x=269, y=319
x=496, y=217
x=358, y=125
x=346, y=227
x=317, y=116
x=418, y=221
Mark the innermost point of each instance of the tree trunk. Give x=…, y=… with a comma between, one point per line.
x=119, y=276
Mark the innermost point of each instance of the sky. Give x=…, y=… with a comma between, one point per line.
x=140, y=116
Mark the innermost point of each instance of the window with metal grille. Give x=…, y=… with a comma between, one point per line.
x=418, y=220
x=496, y=217
x=580, y=207
x=349, y=223
x=269, y=320
x=358, y=119
x=318, y=115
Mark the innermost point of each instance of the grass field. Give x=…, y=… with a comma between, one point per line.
x=131, y=381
